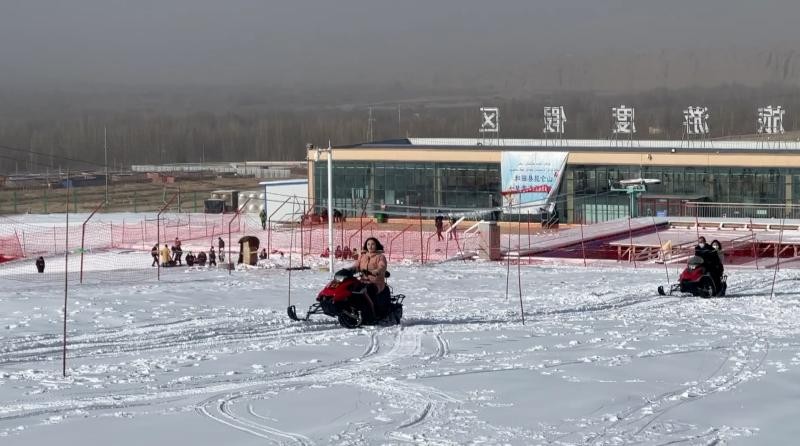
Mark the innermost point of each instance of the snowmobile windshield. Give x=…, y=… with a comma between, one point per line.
x=343, y=274
x=694, y=262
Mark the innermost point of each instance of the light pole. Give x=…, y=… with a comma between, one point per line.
x=329, y=153
x=105, y=156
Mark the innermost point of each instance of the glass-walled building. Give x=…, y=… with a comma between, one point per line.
x=461, y=175
x=400, y=187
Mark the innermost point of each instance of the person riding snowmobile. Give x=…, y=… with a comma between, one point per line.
x=711, y=261
x=372, y=264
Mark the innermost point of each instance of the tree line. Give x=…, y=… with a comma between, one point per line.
x=71, y=134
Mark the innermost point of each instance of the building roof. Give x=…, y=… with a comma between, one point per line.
x=587, y=144
x=284, y=182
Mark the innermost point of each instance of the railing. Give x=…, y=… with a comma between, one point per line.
x=399, y=234
x=360, y=232
x=741, y=210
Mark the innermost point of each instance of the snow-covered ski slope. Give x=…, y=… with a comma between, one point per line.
x=207, y=358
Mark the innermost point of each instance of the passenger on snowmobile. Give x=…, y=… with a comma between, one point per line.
x=719, y=262
x=711, y=260
x=372, y=264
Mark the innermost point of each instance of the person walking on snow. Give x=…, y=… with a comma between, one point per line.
x=221, y=246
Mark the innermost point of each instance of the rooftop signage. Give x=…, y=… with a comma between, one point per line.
x=623, y=121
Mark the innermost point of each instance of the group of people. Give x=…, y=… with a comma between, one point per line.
x=166, y=256
x=338, y=216
x=713, y=259
x=439, y=224
x=340, y=253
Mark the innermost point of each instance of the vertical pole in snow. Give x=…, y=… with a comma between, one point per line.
x=583, y=247
x=529, y=236
x=66, y=267
x=660, y=244
x=83, y=234
x=421, y=244
x=519, y=237
x=697, y=221
x=158, y=246
x=778, y=260
x=630, y=237
x=508, y=264
x=302, y=259
x=519, y=267
x=158, y=233
x=330, y=208
x=519, y=284
x=291, y=247
x=755, y=247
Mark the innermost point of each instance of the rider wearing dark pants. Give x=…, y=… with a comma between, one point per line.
x=373, y=264
x=711, y=261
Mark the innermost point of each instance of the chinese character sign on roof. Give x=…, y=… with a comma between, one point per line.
x=770, y=120
x=624, y=120
x=490, y=120
x=554, y=119
x=695, y=120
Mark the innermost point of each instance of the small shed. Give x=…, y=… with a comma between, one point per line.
x=248, y=249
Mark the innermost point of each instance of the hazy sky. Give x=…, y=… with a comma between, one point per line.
x=334, y=41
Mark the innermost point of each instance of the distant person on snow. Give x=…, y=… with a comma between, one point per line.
x=165, y=256
x=221, y=246
x=177, y=254
x=263, y=216
x=201, y=258
x=212, y=257
x=154, y=254
x=439, y=224
x=40, y=264
x=190, y=259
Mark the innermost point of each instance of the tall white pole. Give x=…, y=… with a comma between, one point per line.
x=105, y=151
x=330, y=208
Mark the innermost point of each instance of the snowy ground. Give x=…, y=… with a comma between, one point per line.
x=207, y=358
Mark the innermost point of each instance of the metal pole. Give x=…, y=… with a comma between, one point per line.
x=105, y=151
x=330, y=208
x=83, y=234
x=66, y=267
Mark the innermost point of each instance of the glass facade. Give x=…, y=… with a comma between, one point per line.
x=584, y=192
x=719, y=184
x=404, y=187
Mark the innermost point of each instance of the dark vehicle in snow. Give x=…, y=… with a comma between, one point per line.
x=697, y=281
x=345, y=297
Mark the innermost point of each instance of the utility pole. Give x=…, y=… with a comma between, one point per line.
x=105, y=151
x=369, y=126
x=399, y=134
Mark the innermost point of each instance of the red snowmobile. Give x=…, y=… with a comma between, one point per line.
x=697, y=281
x=345, y=298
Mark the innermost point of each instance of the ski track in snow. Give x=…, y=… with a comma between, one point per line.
x=135, y=351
